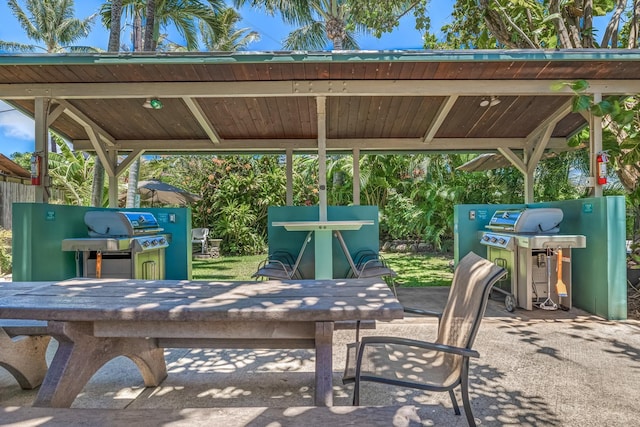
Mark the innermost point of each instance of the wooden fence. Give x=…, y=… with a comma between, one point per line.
x=13, y=190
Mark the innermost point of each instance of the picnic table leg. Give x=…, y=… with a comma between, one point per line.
x=324, y=364
x=24, y=358
x=80, y=355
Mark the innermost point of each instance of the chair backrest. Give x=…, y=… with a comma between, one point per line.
x=343, y=245
x=472, y=282
x=199, y=233
x=307, y=239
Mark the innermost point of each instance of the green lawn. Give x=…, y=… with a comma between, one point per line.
x=413, y=270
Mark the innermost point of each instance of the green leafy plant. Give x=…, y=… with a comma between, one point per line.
x=5, y=251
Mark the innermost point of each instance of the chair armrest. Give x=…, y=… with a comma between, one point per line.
x=422, y=312
x=422, y=344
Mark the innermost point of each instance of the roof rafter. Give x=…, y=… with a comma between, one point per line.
x=202, y=119
x=443, y=111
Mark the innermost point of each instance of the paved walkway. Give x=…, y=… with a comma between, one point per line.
x=537, y=368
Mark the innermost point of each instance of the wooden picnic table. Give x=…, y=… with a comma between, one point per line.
x=96, y=320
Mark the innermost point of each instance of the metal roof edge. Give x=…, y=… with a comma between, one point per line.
x=323, y=56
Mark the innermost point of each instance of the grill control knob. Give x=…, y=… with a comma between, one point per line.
x=154, y=242
x=145, y=243
x=502, y=241
x=493, y=240
x=163, y=241
x=485, y=238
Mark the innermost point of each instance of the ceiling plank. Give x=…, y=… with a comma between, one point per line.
x=202, y=119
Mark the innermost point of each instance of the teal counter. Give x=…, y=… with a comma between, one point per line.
x=38, y=230
x=598, y=271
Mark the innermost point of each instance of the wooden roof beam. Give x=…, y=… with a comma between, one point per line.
x=84, y=120
x=202, y=119
x=311, y=145
x=441, y=115
x=308, y=88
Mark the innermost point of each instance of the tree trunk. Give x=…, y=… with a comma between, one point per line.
x=132, y=185
x=98, y=183
x=114, y=31
x=634, y=26
x=587, y=40
x=149, y=45
x=611, y=33
x=134, y=169
x=564, y=41
x=97, y=187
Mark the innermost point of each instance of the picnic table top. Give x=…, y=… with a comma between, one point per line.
x=85, y=299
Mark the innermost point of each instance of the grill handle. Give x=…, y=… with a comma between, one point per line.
x=98, y=264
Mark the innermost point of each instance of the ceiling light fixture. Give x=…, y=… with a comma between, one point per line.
x=490, y=102
x=152, y=103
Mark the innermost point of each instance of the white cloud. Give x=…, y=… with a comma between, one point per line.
x=14, y=124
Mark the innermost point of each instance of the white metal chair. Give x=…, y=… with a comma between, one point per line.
x=199, y=236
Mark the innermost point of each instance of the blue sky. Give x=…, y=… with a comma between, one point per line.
x=17, y=130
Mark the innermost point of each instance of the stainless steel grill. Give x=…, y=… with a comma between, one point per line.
x=528, y=243
x=120, y=245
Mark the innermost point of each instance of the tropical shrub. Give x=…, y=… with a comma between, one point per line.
x=5, y=251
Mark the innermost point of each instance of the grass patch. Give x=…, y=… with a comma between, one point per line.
x=226, y=268
x=419, y=270
x=414, y=270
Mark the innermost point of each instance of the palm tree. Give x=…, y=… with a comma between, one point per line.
x=184, y=15
x=114, y=46
x=50, y=22
x=224, y=36
x=321, y=22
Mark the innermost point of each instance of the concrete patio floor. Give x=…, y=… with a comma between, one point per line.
x=536, y=368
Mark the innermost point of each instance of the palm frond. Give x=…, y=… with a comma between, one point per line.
x=309, y=37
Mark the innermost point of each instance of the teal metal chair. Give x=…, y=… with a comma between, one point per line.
x=367, y=263
x=280, y=264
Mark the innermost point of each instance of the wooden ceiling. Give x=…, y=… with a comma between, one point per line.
x=268, y=102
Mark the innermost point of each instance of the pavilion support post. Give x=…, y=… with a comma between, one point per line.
x=321, y=105
x=595, y=142
x=323, y=238
x=289, y=155
x=113, y=179
x=42, y=149
x=356, y=176
x=528, y=187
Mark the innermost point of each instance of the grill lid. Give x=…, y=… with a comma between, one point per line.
x=533, y=221
x=120, y=224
